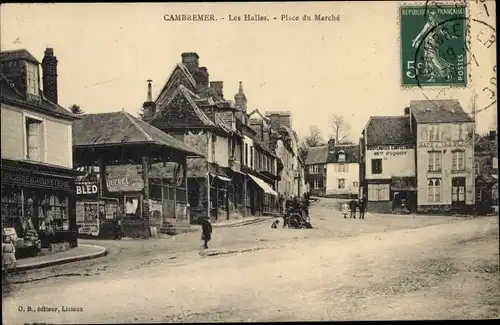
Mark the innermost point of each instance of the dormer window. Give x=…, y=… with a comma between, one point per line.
x=341, y=156
x=32, y=79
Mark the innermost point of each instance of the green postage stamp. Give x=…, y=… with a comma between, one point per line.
x=433, y=45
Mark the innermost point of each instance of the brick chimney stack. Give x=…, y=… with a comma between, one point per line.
x=331, y=145
x=149, y=106
x=49, y=70
x=217, y=87
x=191, y=61
x=202, y=78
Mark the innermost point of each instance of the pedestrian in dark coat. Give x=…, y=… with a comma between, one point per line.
x=206, y=231
x=362, y=207
x=353, y=206
x=118, y=229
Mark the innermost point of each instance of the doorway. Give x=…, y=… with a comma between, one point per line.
x=458, y=192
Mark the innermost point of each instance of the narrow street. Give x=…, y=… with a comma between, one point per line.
x=383, y=267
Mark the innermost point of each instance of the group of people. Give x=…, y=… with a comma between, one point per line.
x=353, y=206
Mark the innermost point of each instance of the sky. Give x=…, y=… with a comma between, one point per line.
x=313, y=69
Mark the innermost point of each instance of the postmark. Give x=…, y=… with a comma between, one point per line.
x=479, y=53
x=433, y=45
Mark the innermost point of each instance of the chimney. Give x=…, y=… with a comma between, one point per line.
x=190, y=60
x=217, y=87
x=407, y=111
x=331, y=145
x=284, y=118
x=49, y=67
x=149, y=106
x=201, y=78
x=240, y=99
x=493, y=134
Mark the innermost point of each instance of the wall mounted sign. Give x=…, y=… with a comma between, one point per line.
x=445, y=144
x=33, y=180
x=391, y=153
x=124, y=178
x=87, y=189
x=391, y=147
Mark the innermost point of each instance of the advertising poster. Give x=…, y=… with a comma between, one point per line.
x=124, y=178
x=87, y=218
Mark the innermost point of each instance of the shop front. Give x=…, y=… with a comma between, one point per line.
x=38, y=205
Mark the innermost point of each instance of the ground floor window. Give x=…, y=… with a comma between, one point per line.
x=434, y=190
x=378, y=192
x=316, y=184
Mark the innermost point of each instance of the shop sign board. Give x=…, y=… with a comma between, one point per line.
x=87, y=189
x=34, y=180
x=445, y=144
x=124, y=178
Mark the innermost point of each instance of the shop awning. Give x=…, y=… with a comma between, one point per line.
x=263, y=185
x=222, y=178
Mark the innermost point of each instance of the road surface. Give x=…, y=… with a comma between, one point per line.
x=442, y=271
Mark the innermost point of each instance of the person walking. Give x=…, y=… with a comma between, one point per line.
x=362, y=207
x=118, y=229
x=345, y=210
x=206, y=231
x=353, y=205
x=8, y=255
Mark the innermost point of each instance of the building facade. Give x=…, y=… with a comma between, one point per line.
x=38, y=180
x=315, y=173
x=486, y=172
x=444, y=136
x=388, y=173
x=342, y=170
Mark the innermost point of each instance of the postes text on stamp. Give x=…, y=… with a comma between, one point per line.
x=433, y=45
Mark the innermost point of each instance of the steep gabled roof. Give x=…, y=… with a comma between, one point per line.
x=119, y=128
x=351, y=154
x=388, y=130
x=184, y=70
x=438, y=111
x=316, y=155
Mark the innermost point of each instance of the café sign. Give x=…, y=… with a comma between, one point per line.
x=445, y=144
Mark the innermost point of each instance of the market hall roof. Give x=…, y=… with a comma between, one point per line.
x=388, y=130
x=118, y=128
x=438, y=111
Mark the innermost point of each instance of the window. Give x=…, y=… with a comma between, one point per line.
x=434, y=132
x=32, y=79
x=214, y=143
x=34, y=139
x=341, y=168
x=246, y=154
x=341, y=183
x=355, y=184
x=316, y=184
x=314, y=169
x=434, y=190
x=378, y=192
x=458, y=189
x=376, y=166
x=434, y=161
x=476, y=168
x=341, y=156
x=458, y=160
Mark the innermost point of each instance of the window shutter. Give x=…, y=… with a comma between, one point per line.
x=33, y=141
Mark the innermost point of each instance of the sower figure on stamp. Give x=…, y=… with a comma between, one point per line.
x=206, y=231
x=435, y=66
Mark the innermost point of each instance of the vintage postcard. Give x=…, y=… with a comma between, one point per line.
x=249, y=162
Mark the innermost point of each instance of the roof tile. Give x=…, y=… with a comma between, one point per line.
x=388, y=130
x=438, y=111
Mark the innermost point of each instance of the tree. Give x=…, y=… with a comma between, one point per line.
x=314, y=138
x=340, y=128
x=76, y=109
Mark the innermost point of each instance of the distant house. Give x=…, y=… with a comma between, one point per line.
x=316, y=170
x=486, y=172
x=333, y=170
x=388, y=173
